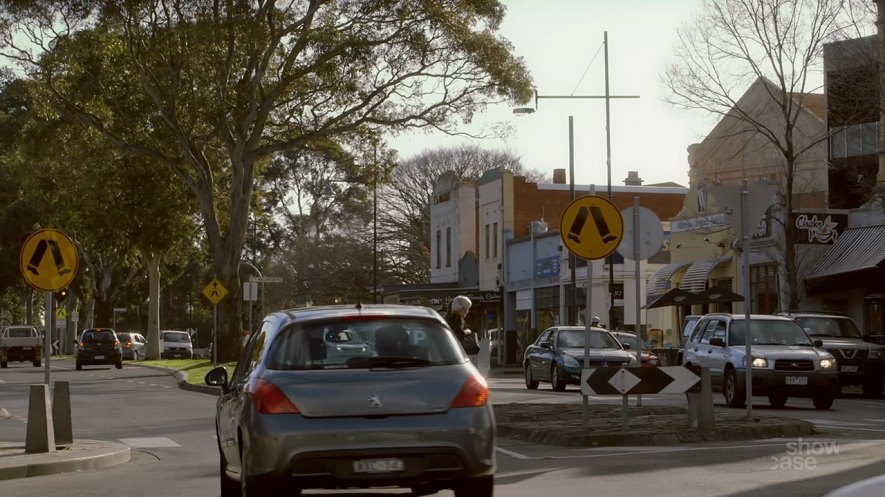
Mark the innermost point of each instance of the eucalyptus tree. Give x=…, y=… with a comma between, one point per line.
x=216, y=89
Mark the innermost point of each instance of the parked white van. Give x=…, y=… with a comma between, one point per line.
x=175, y=345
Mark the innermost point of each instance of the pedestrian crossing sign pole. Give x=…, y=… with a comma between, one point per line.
x=215, y=291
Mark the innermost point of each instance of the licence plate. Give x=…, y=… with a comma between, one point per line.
x=797, y=380
x=99, y=357
x=378, y=465
x=26, y=348
x=848, y=369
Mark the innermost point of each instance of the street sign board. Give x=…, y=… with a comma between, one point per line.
x=75, y=316
x=61, y=313
x=215, y=291
x=48, y=260
x=267, y=279
x=591, y=227
x=640, y=380
x=250, y=291
x=651, y=233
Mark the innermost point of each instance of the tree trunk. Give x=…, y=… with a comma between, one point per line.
x=880, y=28
x=152, y=263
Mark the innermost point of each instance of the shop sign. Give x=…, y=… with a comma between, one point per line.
x=819, y=228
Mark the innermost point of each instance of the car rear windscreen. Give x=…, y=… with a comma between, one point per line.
x=363, y=343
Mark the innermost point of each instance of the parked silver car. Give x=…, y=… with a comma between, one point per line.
x=786, y=362
x=301, y=411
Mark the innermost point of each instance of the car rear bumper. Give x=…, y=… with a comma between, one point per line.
x=321, y=452
x=99, y=357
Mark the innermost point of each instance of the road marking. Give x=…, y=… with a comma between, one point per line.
x=149, y=443
x=515, y=455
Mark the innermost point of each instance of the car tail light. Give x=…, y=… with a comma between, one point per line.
x=474, y=393
x=81, y=345
x=269, y=399
x=128, y=345
x=116, y=343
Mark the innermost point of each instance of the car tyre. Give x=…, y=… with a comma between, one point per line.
x=119, y=365
x=735, y=396
x=873, y=388
x=777, y=400
x=483, y=486
x=3, y=364
x=530, y=382
x=556, y=380
x=229, y=486
x=79, y=366
x=37, y=363
x=134, y=355
x=823, y=400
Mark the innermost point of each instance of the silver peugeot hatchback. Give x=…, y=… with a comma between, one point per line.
x=398, y=406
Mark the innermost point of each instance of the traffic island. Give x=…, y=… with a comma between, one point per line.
x=562, y=425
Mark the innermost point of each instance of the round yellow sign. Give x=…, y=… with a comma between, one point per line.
x=591, y=227
x=49, y=260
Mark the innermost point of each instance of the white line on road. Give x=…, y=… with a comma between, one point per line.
x=515, y=455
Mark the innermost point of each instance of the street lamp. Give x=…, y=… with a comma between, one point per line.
x=607, y=97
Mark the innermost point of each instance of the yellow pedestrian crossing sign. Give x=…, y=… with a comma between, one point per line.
x=61, y=313
x=215, y=291
x=591, y=227
x=48, y=260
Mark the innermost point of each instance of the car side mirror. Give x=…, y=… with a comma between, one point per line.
x=818, y=343
x=626, y=346
x=717, y=342
x=217, y=378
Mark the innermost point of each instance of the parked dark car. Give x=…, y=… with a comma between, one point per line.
x=99, y=346
x=557, y=356
x=399, y=406
x=860, y=362
x=132, y=345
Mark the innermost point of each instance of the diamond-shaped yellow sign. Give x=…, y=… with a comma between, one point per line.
x=215, y=291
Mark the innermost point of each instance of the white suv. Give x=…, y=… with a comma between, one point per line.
x=786, y=362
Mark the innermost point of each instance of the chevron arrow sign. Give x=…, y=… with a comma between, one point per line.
x=626, y=381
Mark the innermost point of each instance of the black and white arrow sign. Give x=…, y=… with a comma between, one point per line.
x=624, y=381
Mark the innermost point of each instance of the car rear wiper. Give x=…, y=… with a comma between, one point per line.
x=397, y=362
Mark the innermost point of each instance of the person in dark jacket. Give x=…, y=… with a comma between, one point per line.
x=459, y=308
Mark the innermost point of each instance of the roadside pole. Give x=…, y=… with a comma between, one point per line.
x=48, y=324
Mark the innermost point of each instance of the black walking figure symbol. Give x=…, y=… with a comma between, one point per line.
x=40, y=251
x=215, y=289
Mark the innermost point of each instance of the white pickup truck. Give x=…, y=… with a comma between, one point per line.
x=20, y=343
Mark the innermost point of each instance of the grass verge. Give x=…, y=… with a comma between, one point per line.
x=195, y=369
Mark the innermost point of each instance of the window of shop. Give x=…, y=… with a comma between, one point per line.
x=763, y=283
x=495, y=240
x=488, y=248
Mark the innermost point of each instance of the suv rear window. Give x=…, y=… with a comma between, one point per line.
x=181, y=337
x=20, y=333
x=363, y=343
x=99, y=336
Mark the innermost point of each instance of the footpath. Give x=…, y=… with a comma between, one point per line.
x=559, y=425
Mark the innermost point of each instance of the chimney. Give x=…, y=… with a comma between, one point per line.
x=559, y=176
x=633, y=179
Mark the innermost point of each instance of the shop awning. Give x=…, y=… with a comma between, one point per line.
x=674, y=296
x=659, y=282
x=695, y=277
x=856, y=249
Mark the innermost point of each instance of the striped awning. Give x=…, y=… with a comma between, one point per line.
x=856, y=249
x=695, y=277
x=659, y=282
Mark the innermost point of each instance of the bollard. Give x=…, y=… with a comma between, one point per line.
x=700, y=404
x=61, y=413
x=40, y=436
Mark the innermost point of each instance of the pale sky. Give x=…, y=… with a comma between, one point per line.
x=558, y=40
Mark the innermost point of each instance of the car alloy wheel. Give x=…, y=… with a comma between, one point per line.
x=734, y=395
x=530, y=382
x=556, y=380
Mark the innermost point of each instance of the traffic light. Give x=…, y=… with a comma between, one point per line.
x=61, y=295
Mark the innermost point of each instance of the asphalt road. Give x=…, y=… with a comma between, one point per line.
x=174, y=453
